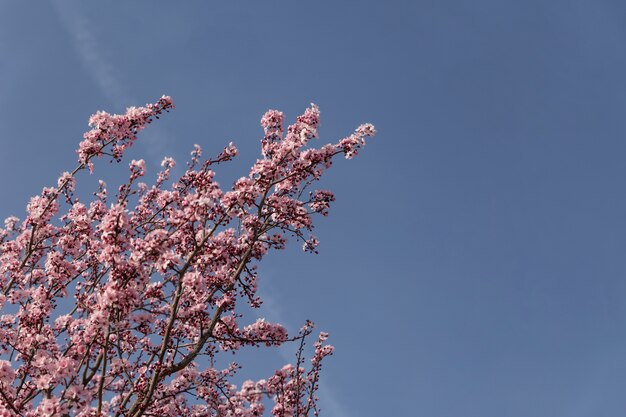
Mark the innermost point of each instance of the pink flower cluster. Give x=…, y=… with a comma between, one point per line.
x=121, y=306
x=118, y=131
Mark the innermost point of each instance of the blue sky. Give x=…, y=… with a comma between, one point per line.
x=473, y=262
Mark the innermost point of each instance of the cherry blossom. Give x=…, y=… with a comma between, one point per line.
x=122, y=306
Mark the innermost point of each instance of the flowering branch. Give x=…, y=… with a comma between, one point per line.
x=157, y=277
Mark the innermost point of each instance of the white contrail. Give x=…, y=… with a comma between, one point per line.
x=103, y=72
x=87, y=48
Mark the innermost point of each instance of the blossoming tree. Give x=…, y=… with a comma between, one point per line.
x=120, y=307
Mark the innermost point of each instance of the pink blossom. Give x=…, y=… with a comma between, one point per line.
x=10, y=222
x=125, y=304
x=7, y=374
x=268, y=333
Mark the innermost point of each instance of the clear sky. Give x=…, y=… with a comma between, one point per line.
x=473, y=264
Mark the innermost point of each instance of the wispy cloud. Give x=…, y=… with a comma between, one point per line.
x=93, y=56
x=89, y=51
